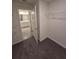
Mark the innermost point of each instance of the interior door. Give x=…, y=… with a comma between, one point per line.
x=34, y=24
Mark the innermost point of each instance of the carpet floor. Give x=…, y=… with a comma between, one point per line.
x=46, y=49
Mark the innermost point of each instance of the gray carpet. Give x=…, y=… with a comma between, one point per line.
x=46, y=49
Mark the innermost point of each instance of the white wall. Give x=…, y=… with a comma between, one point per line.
x=57, y=22
x=53, y=21
x=16, y=30
x=43, y=19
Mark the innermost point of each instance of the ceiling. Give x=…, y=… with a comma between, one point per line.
x=48, y=0
x=31, y=1
x=26, y=1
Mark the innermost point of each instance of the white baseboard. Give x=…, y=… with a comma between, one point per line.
x=16, y=42
x=56, y=41
x=43, y=38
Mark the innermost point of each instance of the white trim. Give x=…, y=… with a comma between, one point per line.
x=13, y=43
x=43, y=38
x=57, y=42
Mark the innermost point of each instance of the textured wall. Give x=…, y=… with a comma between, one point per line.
x=16, y=30
x=57, y=21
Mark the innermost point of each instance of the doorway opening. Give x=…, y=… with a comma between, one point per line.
x=25, y=23
x=28, y=23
